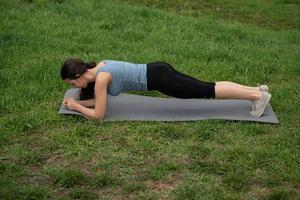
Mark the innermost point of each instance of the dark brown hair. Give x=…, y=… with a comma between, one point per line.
x=72, y=67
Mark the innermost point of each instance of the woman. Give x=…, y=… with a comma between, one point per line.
x=114, y=77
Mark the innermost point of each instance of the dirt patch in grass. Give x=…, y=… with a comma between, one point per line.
x=259, y=191
x=158, y=186
x=62, y=192
x=56, y=159
x=103, y=138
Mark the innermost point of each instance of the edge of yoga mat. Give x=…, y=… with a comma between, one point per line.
x=168, y=109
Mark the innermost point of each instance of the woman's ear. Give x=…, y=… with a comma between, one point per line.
x=77, y=75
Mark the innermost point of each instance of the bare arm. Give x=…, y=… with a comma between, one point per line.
x=87, y=103
x=72, y=104
x=100, y=101
x=101, y=84
x=87, y=112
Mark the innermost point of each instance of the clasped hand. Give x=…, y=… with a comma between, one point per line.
x=70, y=103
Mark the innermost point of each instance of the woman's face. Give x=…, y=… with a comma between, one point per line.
x=80, y=82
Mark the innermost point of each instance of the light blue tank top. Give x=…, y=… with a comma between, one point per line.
x=125, y=76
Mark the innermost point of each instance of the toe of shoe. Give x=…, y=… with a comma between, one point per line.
x=264, y=88
x=256, y=113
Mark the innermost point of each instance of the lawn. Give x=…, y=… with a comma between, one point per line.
x=44, y=155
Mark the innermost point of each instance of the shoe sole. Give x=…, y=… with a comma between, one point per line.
x=263, y=110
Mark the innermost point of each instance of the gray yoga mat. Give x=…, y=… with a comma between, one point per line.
x=133, y=107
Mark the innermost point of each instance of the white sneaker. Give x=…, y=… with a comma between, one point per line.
x=260, y=104
x=263, y=88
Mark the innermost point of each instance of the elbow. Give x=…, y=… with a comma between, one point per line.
x=99, y=117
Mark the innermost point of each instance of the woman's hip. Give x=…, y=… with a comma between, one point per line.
x=155, y=71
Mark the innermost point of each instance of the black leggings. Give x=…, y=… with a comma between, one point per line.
x=163, y=77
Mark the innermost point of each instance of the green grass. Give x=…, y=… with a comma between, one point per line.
x=275, y=14
x=47, y=156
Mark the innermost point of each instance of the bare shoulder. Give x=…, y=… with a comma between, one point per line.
x=104, y=78
x=101, y=63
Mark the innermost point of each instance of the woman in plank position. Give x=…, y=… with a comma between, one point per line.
x=114, y=77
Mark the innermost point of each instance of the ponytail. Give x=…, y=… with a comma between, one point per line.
x=90, y=65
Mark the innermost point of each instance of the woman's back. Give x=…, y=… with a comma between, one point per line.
x=125, y=76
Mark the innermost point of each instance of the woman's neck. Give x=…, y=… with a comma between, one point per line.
x=91, y=74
